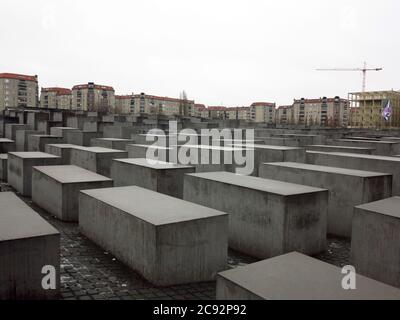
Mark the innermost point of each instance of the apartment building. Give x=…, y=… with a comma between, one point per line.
x=262, y=112
x=56, y=98
x=238, y=113
x=144, y=103
x=217, y=112
x=200, y=110
x=327, y=112
x=93, y=97
x=124, y=104
x=284, y=114
x=366, y=109
x=18, y=90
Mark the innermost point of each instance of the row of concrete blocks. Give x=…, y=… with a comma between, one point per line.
x=120, y=197
x=126, y=211
x=168, y=178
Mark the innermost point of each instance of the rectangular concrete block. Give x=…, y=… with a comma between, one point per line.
x=383, y=148
x=375, y=243
x=347, y=188
x=38, y=142
x=12, y=128
x=360, y=162
x=111, y=143
x=62, y=150
x=27, y=244
x=81, y=138
x=167, y=240
x=332, y=148
x=295, y=276
x=6, y=145
x=163, y=177
x=268, y=153
x=277, y=141
x=3, y=166
x=96, y=159
x=148, y=151
x=20, y=168
x=56, y=188
x=61, y=132
x=267, y=217
x=21, y=139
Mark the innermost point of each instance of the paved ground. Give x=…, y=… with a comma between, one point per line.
x=88, y=272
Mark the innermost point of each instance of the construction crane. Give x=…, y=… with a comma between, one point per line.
x=363, y=70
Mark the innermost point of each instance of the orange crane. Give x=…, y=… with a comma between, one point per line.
x=363, y=70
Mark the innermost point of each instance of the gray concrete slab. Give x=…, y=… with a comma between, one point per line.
x=141, y=151
x=27, y=244
x=383, y=148
x=333, y=148
x=112, y=143
x=375, y=245
x=21, y=140
x=359, y=162
x=295, y=276
x=268, y=153
x=6, y=145
x=163, y=177
x=267, y=217
x=56, y=188
x=3, y=166
x=61, y=132
x=38, y=142
x=81, y=138
x=12, y=128
x=347, y=188
x=96, y=159
x=62, y=150
x=167, y=240
x=20, y=168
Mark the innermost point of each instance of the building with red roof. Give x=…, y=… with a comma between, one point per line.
x=18, y=90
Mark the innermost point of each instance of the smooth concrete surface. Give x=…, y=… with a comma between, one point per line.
x=96, y=159
x=383, y=148
x=20, y=168
x=211, y=158
x=3, y=166
x=167, y=240
x=12, y=128
x=359, y=162
x=276, y=141
x=375, y=244
x=21, y=140
x=38, y=142
x=27, y=244
x=6, y=145
x=304, y=139
x=332, y=148
x=267, y=217
x=56, y=188
x=295, y=276
x=62, y=150
x=347, y=188
x=268, y=153
x=111, y=143
x=61, y=132
x=148, y=151
x=81, y=138
x=163, y=177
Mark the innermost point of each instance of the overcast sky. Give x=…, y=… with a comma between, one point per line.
x=219, y=51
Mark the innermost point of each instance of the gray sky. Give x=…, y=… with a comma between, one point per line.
x=230, y=52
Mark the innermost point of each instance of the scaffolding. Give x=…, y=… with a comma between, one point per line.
x=366, y=109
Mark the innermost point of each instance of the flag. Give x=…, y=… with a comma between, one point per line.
x=387, y=111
